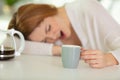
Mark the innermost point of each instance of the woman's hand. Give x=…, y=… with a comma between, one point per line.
x=56, y=50
x=97, y=59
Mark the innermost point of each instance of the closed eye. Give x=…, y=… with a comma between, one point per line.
x=48, y=28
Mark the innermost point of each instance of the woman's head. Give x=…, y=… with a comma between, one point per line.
x=29, y=16
x=41, y=22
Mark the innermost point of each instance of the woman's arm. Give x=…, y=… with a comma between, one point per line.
x=39, y=48
x=108, y=35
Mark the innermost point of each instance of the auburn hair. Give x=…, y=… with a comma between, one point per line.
x=29, y=16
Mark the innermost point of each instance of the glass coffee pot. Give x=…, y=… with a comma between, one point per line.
x=8, y=46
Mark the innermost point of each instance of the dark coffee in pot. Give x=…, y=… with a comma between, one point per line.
x=6, y=54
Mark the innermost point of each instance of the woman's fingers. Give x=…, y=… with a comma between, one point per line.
x=95, y=63
x=96, y=66
x=95, y=58
x=89, y=57
x=87, y=52
x=91, y=61
x=91, y=54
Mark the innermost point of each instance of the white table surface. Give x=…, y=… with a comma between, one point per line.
x=29, y=67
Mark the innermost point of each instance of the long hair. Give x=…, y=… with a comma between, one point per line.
x=29, y=16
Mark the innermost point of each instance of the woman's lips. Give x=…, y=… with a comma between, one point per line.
x=62, y=35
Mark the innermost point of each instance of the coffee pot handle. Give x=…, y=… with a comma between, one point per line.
x=22, y=41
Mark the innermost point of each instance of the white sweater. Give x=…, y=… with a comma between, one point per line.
x=94, y=26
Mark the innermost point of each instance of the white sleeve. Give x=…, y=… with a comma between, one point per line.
x=109, y=29
x=36, y=48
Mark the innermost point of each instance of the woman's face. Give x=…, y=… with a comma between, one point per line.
x=50, y=30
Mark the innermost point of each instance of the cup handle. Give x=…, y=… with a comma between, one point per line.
x=22, y=42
